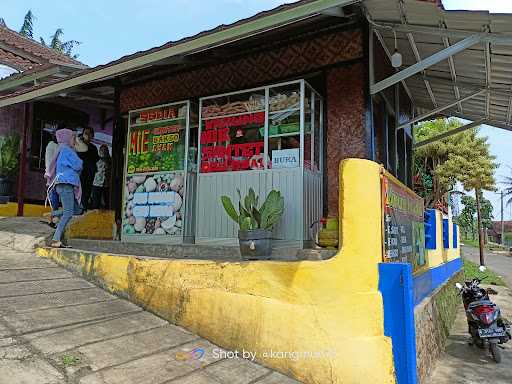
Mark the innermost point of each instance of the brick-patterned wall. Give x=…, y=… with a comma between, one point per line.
x=11, y=119
x=260, y=68
x=345, y=124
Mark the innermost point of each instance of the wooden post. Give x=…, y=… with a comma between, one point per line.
x=27, y=117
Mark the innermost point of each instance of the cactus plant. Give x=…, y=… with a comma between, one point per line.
x=249, y=216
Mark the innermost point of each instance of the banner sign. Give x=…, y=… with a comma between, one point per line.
x=403, y=224
x=286, y=158
x=155, y=180
x=156, y=141
x=219, y=154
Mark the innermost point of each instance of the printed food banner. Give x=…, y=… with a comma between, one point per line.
x=154, y=205
x=156, y=140
x=155, y=173
x=403, y=224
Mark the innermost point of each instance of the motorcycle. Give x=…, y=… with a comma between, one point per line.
x=486, y=326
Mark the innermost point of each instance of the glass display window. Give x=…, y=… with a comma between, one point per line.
x=260, y=129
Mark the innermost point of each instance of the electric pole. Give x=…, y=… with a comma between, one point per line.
x=502, y=223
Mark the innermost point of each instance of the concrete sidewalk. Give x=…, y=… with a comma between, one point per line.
x=57, y=328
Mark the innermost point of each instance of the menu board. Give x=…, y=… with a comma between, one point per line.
x=154, y=190
x=156, y=140
x=403, y=225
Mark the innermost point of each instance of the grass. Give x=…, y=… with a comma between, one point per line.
x=471, y=271
x=470, y=242
x=69, y=360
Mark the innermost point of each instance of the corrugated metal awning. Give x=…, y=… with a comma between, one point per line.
x=469, y=52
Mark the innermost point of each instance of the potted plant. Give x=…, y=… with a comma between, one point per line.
x=256, y=223
x=9, y=155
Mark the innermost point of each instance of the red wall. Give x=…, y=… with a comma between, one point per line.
x=345, y=124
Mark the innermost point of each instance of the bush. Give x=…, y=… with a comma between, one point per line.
x=9, y=154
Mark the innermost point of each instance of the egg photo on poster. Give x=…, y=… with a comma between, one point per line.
x=154, y=204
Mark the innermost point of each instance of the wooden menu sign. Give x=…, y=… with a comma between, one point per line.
x=403, y=224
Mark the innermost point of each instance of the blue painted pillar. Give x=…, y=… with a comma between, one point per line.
x=396, y=287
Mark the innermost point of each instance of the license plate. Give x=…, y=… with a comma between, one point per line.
x=491, y=332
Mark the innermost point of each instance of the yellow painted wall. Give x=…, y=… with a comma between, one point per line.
x=435, y=256
x=95, y=224
x=451, y=253
x=29, y=210
x=305, y=306
x=440, y=255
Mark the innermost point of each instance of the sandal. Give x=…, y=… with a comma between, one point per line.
x=51, y=224
x=58, y=244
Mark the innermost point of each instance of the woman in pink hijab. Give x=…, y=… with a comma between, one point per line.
x=63, y=174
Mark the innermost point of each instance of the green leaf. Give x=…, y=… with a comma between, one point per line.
x=229, y=208
x=245, y=224
x=272, y=209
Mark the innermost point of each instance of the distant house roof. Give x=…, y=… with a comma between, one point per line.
x=496, y=227
x=23, y=53
x=35, y=64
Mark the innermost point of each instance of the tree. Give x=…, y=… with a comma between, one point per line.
x=2, y=22
x=466, y=219
x=56, y=42
x=65, y=47
x=27, y=29
x=507, y=192
x=463, y=158
x=429, y=157
x=471, y=164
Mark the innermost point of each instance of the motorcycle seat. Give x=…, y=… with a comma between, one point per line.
x=480, y=303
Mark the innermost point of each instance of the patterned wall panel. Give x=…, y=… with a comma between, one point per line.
x=345, y=124
x=259, y=68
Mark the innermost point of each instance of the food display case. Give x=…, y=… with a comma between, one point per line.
x=265, y=138
x=160, y=175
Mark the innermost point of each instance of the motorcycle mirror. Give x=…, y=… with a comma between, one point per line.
x=458, y=285
x=482, y=268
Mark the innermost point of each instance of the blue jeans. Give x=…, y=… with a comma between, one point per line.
x=53, y=196
x=70, y=207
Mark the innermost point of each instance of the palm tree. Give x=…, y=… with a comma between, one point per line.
x=56, y=43
x=27, y=29
x=507, y=191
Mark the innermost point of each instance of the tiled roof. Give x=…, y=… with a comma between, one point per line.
x=37, y=54
x=15, y=61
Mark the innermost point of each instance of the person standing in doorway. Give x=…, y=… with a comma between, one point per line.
x=88, y=153
x=53, y=197
x=101, y=180
x=64, y=175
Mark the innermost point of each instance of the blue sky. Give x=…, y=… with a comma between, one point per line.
x=111, y=29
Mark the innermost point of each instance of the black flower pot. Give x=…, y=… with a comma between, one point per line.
x=255, y=244
x=5, y=186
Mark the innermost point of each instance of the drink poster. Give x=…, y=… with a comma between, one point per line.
x=403, y=224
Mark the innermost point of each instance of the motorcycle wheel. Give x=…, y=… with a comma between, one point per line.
x=495, y=352
x=478, y=342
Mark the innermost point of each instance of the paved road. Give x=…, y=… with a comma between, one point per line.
x=499, y=263
x=57, y=328
x=462, y=363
